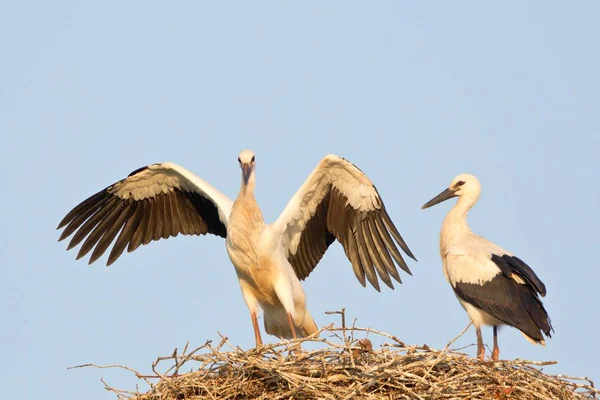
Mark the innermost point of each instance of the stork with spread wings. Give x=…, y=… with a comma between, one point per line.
x=336, y=202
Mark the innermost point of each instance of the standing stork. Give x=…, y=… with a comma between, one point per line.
x=494, y=287
x=337, y=201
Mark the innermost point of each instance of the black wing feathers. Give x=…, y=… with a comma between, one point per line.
x=365, y=236
x=310, y=251
x=104, y=215
x=511, y=302
x=511, y=264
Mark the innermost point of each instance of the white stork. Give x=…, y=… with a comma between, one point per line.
x=337, y=201
x=494, y=287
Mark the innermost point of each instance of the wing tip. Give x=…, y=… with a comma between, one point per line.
x=94, y=257
x=410, y=254
x=66, y=219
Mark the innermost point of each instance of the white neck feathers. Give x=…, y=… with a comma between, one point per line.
x=455, y=224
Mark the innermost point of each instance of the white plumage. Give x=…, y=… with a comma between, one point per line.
x=336, y=202
x=494, y=286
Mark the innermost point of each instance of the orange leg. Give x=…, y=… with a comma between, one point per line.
x=496, y=351
x=256, y=330
x=480, y=348
x=292, y=325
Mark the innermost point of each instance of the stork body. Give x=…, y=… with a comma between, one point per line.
x=336, y=202
x=266, y=278
x=493, y=286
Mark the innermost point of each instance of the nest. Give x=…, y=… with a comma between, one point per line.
x=344, y=367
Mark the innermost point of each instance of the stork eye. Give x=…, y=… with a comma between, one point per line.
x=459, y=183
x=252, y=159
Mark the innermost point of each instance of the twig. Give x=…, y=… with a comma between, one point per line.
x=457, y=337
x=137, y=374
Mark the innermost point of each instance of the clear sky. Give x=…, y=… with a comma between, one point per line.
x=413, y=93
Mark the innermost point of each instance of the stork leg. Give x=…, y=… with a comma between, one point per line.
x=256, y=330
x=297, y=348
x=496, y=351
x=253, y=307
x=292, y=325
x=480, y=348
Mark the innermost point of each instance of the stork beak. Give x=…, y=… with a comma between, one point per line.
x=445, y=195
x=246, y=171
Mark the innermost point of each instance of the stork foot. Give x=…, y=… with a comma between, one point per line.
x=496, y=351
x=480, y=348
x=495, y=354
x=481, y=354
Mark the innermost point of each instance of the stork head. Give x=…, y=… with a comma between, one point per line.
x=463, y=185
x=247, y=162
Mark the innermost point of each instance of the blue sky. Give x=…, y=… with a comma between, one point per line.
x=413, y=93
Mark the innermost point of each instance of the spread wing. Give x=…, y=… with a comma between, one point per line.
x=154, y=202
x=338, y=201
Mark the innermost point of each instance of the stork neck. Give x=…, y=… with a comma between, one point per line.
x=462, y=207
x=455, y=224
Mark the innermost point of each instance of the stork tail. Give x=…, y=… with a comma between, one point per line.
x=276, y=323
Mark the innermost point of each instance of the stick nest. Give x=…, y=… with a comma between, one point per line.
x=344, y=367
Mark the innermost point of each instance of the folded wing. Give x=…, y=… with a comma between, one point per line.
x=511, y=265
x=483, y=284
